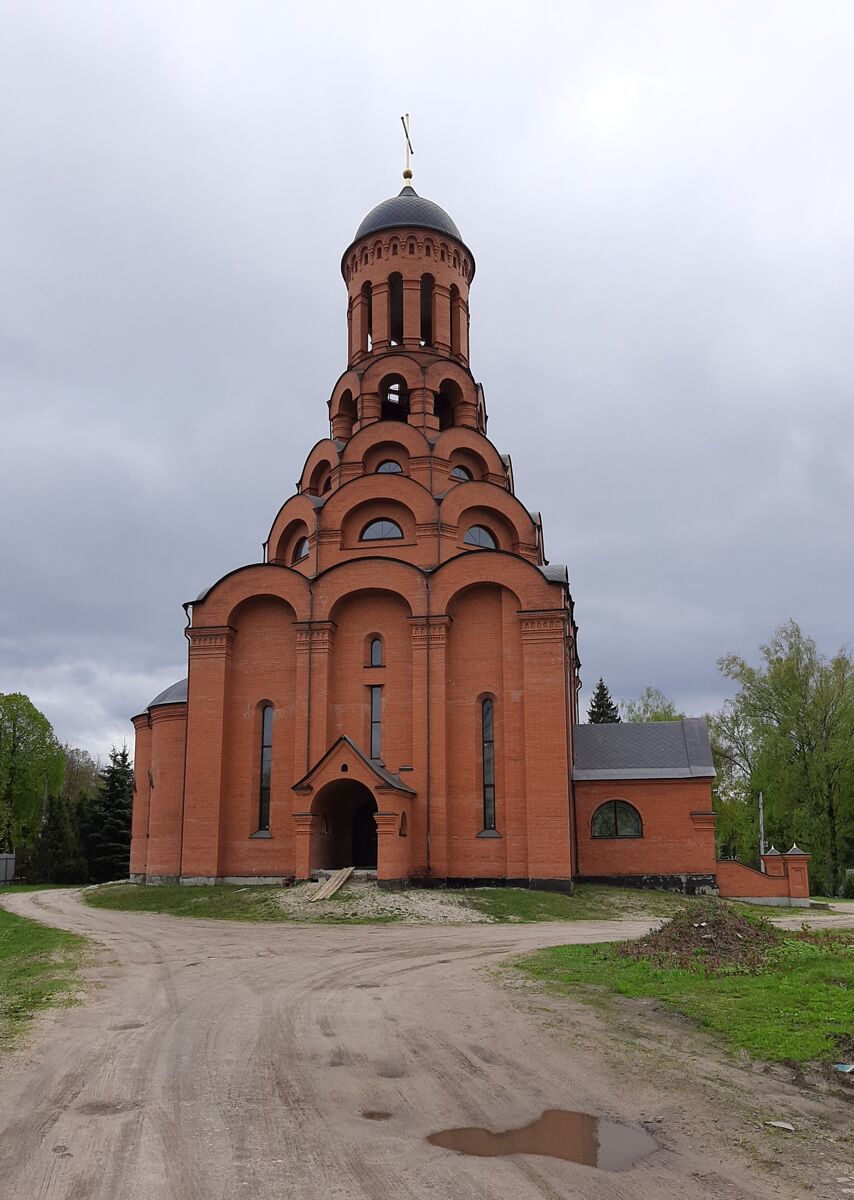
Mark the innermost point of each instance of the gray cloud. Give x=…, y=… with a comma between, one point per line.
x=659, y=199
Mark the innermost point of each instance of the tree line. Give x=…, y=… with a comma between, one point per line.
x=66, y=817
x=788, y=732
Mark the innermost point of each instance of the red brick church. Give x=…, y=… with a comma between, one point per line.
x=395, y=685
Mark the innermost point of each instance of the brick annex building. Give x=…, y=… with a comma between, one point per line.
x=395, y=686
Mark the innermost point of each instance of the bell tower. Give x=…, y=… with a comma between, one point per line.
x=408, y=273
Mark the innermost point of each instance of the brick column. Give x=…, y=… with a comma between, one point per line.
x=442, y=318
x=380, y=316
x=210, y=659
x=547, y=784
x=304, y=825
x=392, y=849
x=797, y=869
x=168, y=731
x=421, y=409
x=412, y=313
x=322, y=639
x=430, y=640
x=141, y=796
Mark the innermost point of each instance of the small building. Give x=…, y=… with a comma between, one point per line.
x=395, y=685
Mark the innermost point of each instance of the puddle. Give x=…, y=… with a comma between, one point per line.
x=575, y=1136
x=373, y=1114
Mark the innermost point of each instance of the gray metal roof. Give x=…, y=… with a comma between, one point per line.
x=555, y=572
x=176, y=694
x=407, y=208
x=652, y=750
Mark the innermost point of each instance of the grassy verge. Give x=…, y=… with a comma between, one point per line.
x=798, y=1006
x=38, y=970
x=502, y=905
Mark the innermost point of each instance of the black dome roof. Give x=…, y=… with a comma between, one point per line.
x=407, y=208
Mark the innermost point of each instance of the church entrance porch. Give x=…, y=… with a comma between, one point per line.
x=343, y=829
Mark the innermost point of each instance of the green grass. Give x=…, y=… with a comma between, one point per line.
x=799, y=1007
x=504, y=905
x=589, y=902
x=38, y=970
x=226, y=903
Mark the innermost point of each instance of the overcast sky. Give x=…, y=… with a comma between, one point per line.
x=659, y=197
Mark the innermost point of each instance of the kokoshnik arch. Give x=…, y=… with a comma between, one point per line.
x=395, y=685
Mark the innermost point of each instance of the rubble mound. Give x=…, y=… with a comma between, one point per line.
x=710, y=936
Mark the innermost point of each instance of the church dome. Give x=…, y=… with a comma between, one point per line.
x=407, y=208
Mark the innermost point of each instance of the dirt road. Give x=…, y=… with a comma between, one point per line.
x=214, y=1060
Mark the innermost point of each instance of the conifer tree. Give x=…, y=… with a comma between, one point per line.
x=602, y=710
x=107, y=820
x=58, y=856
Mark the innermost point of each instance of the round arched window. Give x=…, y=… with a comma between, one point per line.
x=616, y=819
x=389, y=467
x=378, y=531
x=479, y=535
x=461, y=473
x=300, y=550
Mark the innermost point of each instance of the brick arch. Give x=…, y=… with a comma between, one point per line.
x=351, y=595
x=295, y=508
x=395, y=488
x=377, y=509
x=408, y=436
x=515, y=574
x=283, y=549
x=451, y=439
x=324, y=451
x=437, y=372
x=258, y=579
x=488, y=498
x=393, y=364
x=361, y=574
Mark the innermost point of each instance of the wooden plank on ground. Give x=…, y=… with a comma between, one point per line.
x=331, y=885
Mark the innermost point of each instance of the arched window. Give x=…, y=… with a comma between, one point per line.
x=616, y=819
x=402, y=828
x=266, y=768
x=389, y=467
x=461, y=473
x=376, y=721
x=377, y=531
x=487, y=723
x=395, y=398
x=427, y=282
x=479, y=535
x=366, y=339
x=395, y=307
x=300, y=550
x=375, y=652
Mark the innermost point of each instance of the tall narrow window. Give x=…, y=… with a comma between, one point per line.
x=488, y=740
x=376, y=652
x=367, y=332
x=266, y=767
x=456, y=320
x=395, y=308
x=427, y=310
x=376, y=721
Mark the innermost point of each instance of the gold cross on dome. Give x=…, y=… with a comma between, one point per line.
x=408, y=151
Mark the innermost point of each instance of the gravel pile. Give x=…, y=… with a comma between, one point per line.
x=366, y=900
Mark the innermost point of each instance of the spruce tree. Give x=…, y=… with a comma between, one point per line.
x=107, y=820
x=602, y=710
x=58, y=856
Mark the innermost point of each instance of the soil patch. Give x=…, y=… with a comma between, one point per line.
x=712, y=935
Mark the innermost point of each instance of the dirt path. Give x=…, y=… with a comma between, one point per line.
x=217, y=1060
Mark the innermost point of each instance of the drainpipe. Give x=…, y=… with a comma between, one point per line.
x=188, y=613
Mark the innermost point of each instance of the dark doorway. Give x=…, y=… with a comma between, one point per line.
x=344, y=833
x=365, y=836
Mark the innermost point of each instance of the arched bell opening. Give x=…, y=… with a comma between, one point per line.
x=344, y=832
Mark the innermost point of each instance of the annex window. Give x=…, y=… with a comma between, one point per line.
x=378, y=531
x=375, y=652
x=389, y=467
x=614, y=819
x=376, y=721
x=461, y=473
x=487, y=722
x=266, y=768
x=479, y=535
x=300, y=550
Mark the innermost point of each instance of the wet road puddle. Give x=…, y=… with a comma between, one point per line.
x=575, y=1136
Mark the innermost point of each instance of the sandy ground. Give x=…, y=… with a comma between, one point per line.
x=359, y=899
x=216, y=1060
